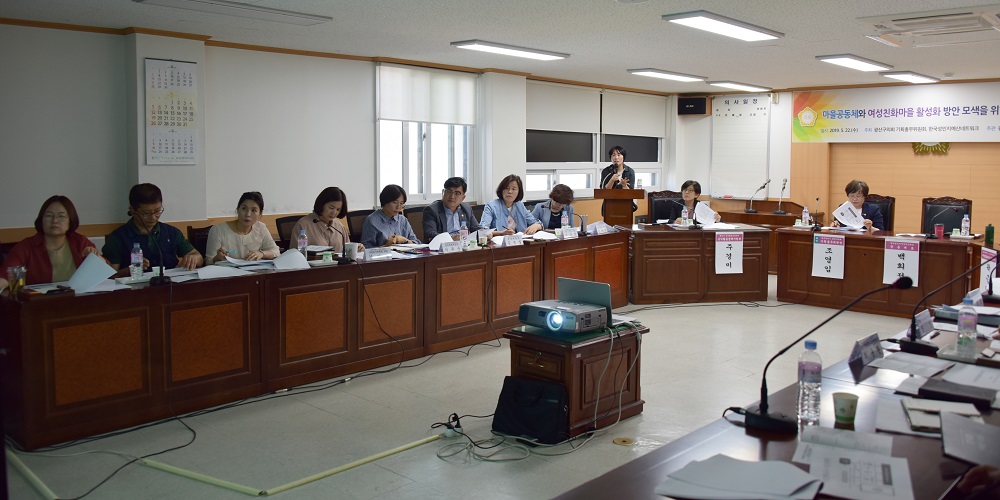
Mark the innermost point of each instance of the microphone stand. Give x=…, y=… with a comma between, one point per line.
x=161, y=279
x=779, y=211
x=913, y=345
x=930, y=235
x=750, y=210
x=757, y=417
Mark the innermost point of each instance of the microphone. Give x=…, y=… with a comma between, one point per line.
x=583, y=223
x=913, y=345
x=779, y=211
x=931, y=235
x=750, y=210
x=757, y=417
x=694, y=223
x=162, y=279
x=340, y=260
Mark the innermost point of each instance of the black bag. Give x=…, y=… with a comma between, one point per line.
x=533, y=409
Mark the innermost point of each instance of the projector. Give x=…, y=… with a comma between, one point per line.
x=563, y=317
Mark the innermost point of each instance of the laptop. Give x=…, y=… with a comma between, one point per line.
x=590, y=292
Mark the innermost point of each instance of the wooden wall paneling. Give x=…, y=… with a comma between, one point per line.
x=810, y=176
x=517, y=278
x=391, y=298
x=456, y=300
x=611, y=265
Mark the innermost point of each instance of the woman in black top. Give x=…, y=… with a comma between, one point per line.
x=618, y=175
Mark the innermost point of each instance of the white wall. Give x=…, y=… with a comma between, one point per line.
x=288, y=126
x=502, y=122
x=63, y=131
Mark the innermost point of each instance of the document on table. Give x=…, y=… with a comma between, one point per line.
x=911, y=385
x=838, y=438
x=976, y=376
x=92, y=271
x=859, y=474
x=974, y=442
x=722, y=477
x=545, y=236
x=290, y=260
x=243, y=262
x=849, y=216
x=704, y=214
x=435, y=244
x=891, y=417
x=719, y=225
x=911, y=363
x=982, y=331
x=209, y=272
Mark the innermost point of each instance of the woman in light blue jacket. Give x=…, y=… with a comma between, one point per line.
x=507, y=214
x=550, y=212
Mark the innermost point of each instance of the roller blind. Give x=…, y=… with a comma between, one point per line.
x=627, y=113
x=409, y=93
x=563, y=108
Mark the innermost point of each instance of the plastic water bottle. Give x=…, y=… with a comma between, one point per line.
x=463, y=235
x=135, y=269
x=638, y=183
x=966, y=225
x=805, y=216
x=684, y=216
x=303, y=242
x=967, y=320
x=810, y=378
x=564, y=219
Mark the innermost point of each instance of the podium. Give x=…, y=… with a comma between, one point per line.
x=618, y=204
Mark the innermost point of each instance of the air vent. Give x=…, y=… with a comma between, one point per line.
x=943, y=27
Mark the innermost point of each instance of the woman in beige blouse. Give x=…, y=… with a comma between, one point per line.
x=325, y=225
x=244, y=238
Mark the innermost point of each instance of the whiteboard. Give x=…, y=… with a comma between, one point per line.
x=740, y=126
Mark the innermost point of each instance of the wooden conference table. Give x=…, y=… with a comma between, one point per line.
x=678, y=265
x=77, y=366
x=931, y=472
x=940, y=261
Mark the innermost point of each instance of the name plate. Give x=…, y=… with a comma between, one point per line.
x=925, y=323
x=602, y=228
x=828, y=256
x=902, y=258
x=728, y=252
x=512, y=240
x=569, y=233
x=866, y=349
x=451, y=247
x=376, y=254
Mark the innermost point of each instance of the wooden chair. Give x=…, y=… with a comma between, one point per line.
x=658, y=203
x=198, y=236
x=944, y=210
x=886, y=205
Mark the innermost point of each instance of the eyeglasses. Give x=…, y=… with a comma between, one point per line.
x=856, y=196
x=398, y=203
x=449, y=192
x=149, y=214
x=56, y=217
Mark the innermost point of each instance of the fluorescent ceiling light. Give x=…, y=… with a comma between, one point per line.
x=909, y=76
x=666, y=75
x=740, y=86
x=242, y=10
x=854, y=62
x=509, y=50
x=722, y=25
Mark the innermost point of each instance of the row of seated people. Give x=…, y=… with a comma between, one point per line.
x=56, y=249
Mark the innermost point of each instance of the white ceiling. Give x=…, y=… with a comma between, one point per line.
x=604, y=37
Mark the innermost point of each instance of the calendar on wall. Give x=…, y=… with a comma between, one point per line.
x=171, y=114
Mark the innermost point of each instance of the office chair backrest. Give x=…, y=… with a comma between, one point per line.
x=356, y=221
x=198, y=236
x=886, y=205
x=658, y=203
x=944, y=210
x=285, y=225
x=416, y=217
x=477, y=210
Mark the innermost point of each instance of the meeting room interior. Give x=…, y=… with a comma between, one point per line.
x=741, y=176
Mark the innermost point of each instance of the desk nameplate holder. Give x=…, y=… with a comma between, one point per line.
x=513, y=240
x=866, y=350
x=451, y=247
x=377, y=254
x=569, y=233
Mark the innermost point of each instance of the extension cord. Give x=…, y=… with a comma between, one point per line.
x=452, y=432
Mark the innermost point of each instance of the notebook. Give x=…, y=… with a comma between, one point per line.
x=590, y=292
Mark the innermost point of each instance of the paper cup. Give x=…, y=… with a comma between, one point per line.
x=327, y=257
x=939, y=230
x=845, y=405
x=350, y=251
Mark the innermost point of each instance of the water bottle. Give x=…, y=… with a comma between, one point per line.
x=967, y=320
x=565, y=218
x=810, y=377
x=966, y=225
x=135, y=269
x=303, y=242
x=463, y=235
x=805, y=216
x=684, y=216
x=638, y=183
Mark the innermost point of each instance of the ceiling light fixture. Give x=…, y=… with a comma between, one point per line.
x=722, y=25
x=740, y=86
x=509, y=50
x=909, y=76
x=666, y=75
x=242, y=10
x=854, y=62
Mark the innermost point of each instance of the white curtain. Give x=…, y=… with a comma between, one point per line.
x=409, y=93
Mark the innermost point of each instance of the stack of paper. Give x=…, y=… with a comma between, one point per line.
x=854, y=464
x=925, y=414
x=722, y=477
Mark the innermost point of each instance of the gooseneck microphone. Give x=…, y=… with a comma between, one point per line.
x=694, y=223
x=758, y=417
x=781, y=195
x=750, y=209
x=930, y=235
x=162, y=279
x=913, y=345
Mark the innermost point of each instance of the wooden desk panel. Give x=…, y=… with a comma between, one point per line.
x=940, y=261
x=516, y=275
x=602, y=258
x=457, y=297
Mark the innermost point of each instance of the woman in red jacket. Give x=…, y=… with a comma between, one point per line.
x=56, y=249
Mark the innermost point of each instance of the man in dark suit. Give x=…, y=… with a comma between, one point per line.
x=448, y=214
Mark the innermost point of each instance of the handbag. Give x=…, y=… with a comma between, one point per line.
x=532, y=409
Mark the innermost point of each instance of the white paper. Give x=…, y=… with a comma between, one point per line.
x=179, y=271
x=704, y=214
x=828, y=256
x=839, y=438
x=728, y=252
x=291, y=259
x=186, y=277
x=544, y=236
x=857, y=474
x=243, y=262
x=719, y=225
x=848, y=215
x=411, y=246
x=723, y=477
x=913, y=364
x=316, y=248
x=402, y=256
x=435, y=244
x=891, y=417
x=92, y=271
x=901, y=258
x=911, y=385
x=109, y=285
x=973, y=375
x=209, y=272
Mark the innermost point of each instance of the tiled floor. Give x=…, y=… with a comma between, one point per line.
x=696, y=361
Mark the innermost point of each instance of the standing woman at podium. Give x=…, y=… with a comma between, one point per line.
x=618, y=175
